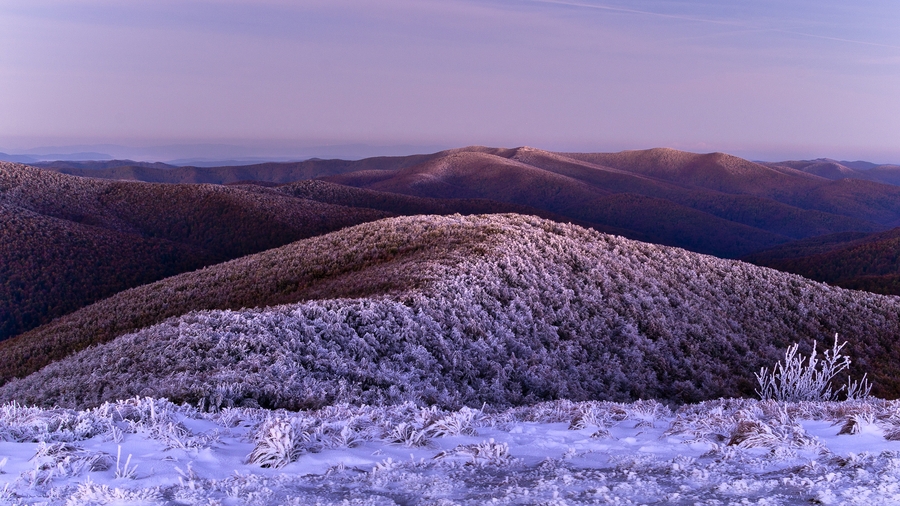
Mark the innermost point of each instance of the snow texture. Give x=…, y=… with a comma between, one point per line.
x=728, y=451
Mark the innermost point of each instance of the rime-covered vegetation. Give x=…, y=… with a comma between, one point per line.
x=723, y=452
x=361, y=261
x=503, y=309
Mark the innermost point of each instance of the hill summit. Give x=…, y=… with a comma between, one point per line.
x=454, y=310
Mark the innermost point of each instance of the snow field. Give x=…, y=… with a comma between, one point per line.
x=730, y=451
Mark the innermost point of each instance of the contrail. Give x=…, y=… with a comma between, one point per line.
x=711, y=21
x=838, y=39
x=637, y=11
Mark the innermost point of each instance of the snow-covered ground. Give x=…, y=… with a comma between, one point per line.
x=148, y=451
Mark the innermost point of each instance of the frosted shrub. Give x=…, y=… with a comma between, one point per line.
x=802, y=378
x=647, y=412
x=347, y=438
x=772, y=435
x=406, y=434
x=89, y=493
x=485, y=452
x=62, y=460
x=277, y=445
x=453, y=424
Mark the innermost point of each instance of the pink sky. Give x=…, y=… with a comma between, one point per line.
x=762, y=79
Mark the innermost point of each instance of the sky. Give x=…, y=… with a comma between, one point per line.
x=763, y=79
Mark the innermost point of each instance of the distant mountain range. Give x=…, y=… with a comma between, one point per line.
x=713, y=203
x=100, y=236
x=208, y=154
x=833, y=169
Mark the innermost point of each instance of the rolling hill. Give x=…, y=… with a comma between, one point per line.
x=503, y=309
x=69, y=241
x=273, y=172
x=713, y=171
x=833, y=169
x=711, y=203
x=684, y=201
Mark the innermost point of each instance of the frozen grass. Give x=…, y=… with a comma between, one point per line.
x=728, y=451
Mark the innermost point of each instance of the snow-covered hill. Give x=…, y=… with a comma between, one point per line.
x=501, y=309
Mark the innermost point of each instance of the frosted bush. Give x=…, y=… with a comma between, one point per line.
x=64, y=460
x=759, y=434
x=647, y=412
x=21, y=423
x=90, y=494
x=452, y=424
x=485, y=452
x=407, y=435
x=277, y=445
x=810, y=378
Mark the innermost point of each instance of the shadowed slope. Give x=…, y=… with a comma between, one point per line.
x=476, y=174
x=68, y=241
x=408, y=205
x=349, y=196
x=860, y=261
x=865, y=200
x=503, y=309
x=50, y=266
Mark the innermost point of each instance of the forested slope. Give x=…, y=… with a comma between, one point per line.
x=503, y=309
x=67, y=241
x=868, y=262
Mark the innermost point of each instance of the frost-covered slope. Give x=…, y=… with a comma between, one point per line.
x=521, y=310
